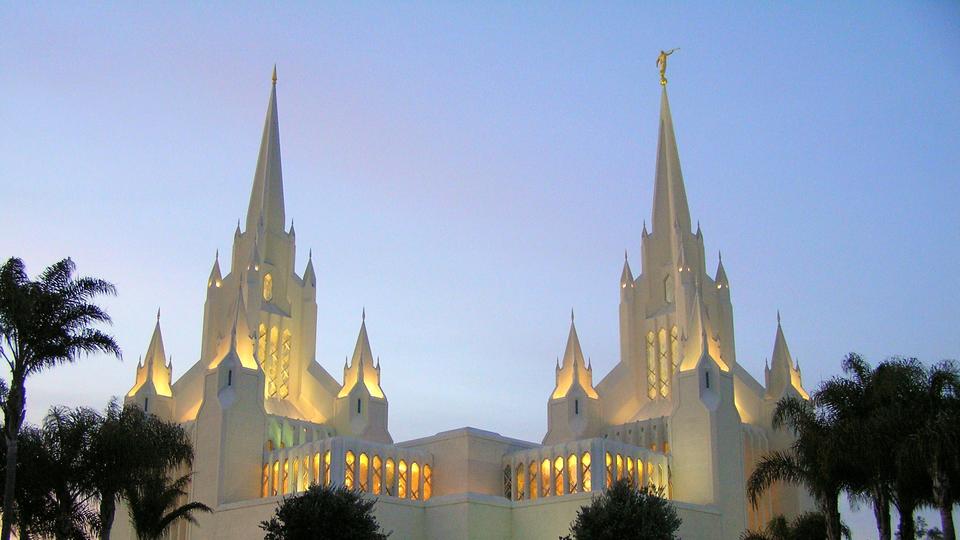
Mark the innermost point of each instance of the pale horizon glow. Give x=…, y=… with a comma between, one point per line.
x=470, y=173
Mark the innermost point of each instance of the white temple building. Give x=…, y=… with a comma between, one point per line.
x=267, y=420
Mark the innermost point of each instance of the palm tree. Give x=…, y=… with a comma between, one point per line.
x=818, y=459
x=803, y=527
x=129, y=444
x=43, y=323
x=937, y=439
x=152, y=503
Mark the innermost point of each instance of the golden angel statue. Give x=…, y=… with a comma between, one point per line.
x=662, y=64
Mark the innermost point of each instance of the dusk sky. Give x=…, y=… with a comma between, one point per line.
x=470, y=173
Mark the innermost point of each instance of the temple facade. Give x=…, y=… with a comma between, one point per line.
x=267, y=420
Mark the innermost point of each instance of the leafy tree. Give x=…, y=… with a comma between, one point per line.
x=129, y=445
x=43, y=323
x=153, y=502
x=818, y=459
x=624, y=512
x=806, y=526
x=324, y=513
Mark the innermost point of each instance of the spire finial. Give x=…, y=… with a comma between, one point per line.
x=624, y=255
x=778, y=317
x=662, y=64
x=363, y=314
x=274, y=78
x=720, y=256
x=571, y=315
x=216, y=256
x=158, y=314
x=310, y=254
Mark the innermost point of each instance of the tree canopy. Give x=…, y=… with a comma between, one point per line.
x=624, y=512
x=324, y=513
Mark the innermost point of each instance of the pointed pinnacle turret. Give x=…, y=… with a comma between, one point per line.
x=782, y=372
x=573, y=371
x=721, y=275
x=626, y=277
x=274, y=77
x=215, y=279
x=360, y=371
x=266, y=197
x=154, y=369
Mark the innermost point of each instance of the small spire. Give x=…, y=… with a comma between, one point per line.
x=720, y=256
x=571, y=315
x=363, y=314
x=558, y=363
x=778, y=317
x=158, y=314
x=624, y=255
x=274, y=77
x=310, y=254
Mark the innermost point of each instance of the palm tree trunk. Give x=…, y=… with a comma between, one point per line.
x=108, y=509
x=908, y=528
x=9, y=486
x=13, y=419
x=944, y=502
x=881, y=511
x=831, y=514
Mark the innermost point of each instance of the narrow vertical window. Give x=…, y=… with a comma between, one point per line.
x=272, y=363
x=576, y=406
x=545, y=478
x=377, y=475
x=146, y=404
x=521, y=476
x=326, y=468
x=651, y=367
x=276, y=477
x=558, y=476
x=629, y=464
x=668, y=289
x=707, y=376
x=609, y=463
x=262, y=344
x=296, y=473
x=402, y=479
x=265, y=484
x=675, y=348
x=229, y=377
x=316, y=468
x=286, y=476
x=283, y=375
x=428, y=482
x=619, y=466
x=363, y=472
x=268, y=287
x=586, y=484
x=664, y=364
x=388, y=488
x=348, y=473
x=651, y=481
x=305, y=473
x=572, y=473
x=533, y=480
x=358, y=406
x=507, y=481
x=415, y=481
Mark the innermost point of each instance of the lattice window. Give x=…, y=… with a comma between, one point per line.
x=521, y=476
x=427, y=482
x=377, y=475
x=572, y=473
x=363, y=472
x=664, y=364
x=348, y=474
x=545, y=478
x=286, y=476
x=402, y=479
x=507, y=481
x=283, y=384
x=609, y=463
x=268, y=287
x=675, y=348
x=272, y=362
x=276, y=477
x=414, y=481
x=326, y=468
x=390, y=473
x=533, y=480
x=265, y=487
x=262, y=346
x=585, y=471
x=558, y=476
x=651, y=367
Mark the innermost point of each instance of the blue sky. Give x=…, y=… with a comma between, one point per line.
x=469, y=173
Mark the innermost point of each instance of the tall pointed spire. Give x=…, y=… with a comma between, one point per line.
x=669, y=195
x=783, y=372
x=721, y=275
x=266, y=197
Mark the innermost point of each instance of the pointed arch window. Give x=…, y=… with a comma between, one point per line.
x=316, y=468
x=558, y=476
x=326, y=468
x=265, y=486
x=609, y=464
x=521, y=475
x=286, y=476
x=415, y=481
x=572, y=473
x=675, y=347
x=348, y=473
x=545, y=478
x=389, y=474
x=664, y=364
x=363, y=471
x=296, y=473
x=533, y=480
x=276, y=477
x=668, y=289
x=619, y=466
x=651, y=367
x=268, y=287
x=586, y=484
x=629, y=463
x=377, y=475
x=428, y=482
x=402, y=479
